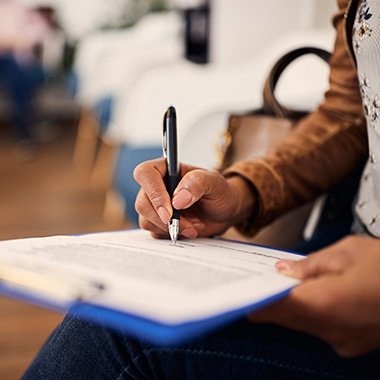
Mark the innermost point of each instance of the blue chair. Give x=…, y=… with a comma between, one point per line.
x=128, y=158
x=103, y=113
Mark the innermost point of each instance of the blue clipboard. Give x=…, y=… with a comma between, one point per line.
x=137, y=326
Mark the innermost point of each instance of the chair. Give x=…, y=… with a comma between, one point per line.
x=204, y=96
x=109, y=63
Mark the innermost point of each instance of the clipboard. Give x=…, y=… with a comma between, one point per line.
x=63, y=294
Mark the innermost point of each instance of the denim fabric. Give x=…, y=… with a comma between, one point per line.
x=21, y=82
x=243, y=350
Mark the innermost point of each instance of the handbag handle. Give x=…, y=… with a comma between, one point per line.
x=270, y=104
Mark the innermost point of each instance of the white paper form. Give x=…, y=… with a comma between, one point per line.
x=191, y=280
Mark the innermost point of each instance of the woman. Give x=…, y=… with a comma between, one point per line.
x=329, y=327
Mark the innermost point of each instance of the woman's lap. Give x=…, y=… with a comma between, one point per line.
x=79, y=349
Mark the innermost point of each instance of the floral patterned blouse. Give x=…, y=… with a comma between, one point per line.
x=366, y=42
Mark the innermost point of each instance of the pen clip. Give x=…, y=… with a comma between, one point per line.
x=169, y=141
x=165, y=137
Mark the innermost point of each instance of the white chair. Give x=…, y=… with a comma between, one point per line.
x=204, y=96
x=109, y=62
x=200, y=92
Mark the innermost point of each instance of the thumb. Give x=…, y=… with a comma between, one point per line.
x=326, y=261
x=196, y=184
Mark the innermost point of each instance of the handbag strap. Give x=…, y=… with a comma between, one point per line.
x=270, y=104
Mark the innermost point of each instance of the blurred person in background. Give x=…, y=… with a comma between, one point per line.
x=22, y=31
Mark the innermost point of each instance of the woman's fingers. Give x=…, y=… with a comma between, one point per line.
x=190, y=232
x=196, y=184
x=146, y=211
x=326, y=261
x=149, y=176
x=149, y=220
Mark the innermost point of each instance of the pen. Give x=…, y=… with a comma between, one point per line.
x=170, y=150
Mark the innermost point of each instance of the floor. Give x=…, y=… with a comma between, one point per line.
x=40, y=194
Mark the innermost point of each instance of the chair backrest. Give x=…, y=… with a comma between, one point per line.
x=123, y=181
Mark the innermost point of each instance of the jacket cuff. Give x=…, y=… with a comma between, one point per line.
x=269, y=189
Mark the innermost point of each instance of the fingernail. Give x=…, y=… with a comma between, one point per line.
x=182, y=199
x=285, y=266
x=164, y=214
x=189, y=233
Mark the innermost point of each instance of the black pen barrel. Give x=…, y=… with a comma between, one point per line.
x=171, y=183
x=176, y=214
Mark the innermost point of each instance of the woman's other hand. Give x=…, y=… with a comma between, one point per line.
x=339, y=299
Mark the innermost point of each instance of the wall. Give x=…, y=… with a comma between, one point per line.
x=241, y=27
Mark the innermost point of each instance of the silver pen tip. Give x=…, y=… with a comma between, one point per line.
x=174, y=230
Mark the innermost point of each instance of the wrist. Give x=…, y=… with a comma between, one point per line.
x=244, y=195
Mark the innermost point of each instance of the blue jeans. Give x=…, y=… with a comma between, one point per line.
x=83, y=350
x=21, y=82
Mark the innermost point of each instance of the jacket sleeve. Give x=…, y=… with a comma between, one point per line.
x=323, y=148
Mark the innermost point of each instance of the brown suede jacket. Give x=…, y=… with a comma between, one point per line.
x=323, y=148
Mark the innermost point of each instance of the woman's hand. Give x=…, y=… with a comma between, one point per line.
x=210, y=203
x=339, y=299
